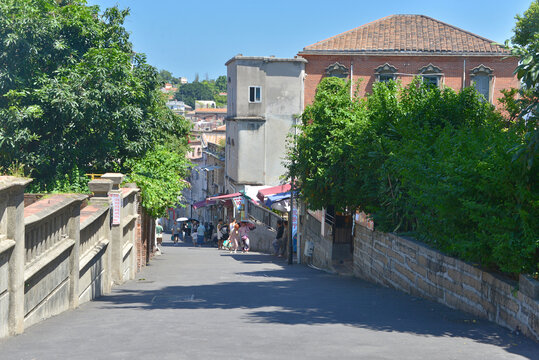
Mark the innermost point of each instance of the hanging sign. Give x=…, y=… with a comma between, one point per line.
x=116, y=203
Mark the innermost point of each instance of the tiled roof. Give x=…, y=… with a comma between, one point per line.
x=211, y=110
x=407, y=34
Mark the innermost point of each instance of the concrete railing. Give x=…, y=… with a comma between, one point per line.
x=53, y=255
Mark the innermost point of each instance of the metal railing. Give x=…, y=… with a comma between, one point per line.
x=263, y=215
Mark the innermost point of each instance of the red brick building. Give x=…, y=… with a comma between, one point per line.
x=404, y=46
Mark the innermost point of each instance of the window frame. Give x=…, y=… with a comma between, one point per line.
x=431, y=72
x=255, y=99
x=387, y=71
x=487, y=72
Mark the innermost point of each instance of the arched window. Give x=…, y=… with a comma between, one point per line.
x=337, y=70
x=385, y=73
x=481, y=79
x=431, y=75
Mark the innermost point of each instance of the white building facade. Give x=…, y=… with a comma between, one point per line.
x=265, y=97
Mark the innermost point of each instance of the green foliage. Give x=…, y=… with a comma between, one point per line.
x=526, y=28
x=526, y=47
x=425, y=161
x=74, y=96
x=159, y=174
x=205, y=90
x=189, y=93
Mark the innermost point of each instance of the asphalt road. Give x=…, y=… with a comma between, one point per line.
x=201, y=303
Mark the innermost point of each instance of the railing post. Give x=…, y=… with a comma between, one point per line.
x=73, y=233
x=115, y=194
x=15, y=232
x=101, y=188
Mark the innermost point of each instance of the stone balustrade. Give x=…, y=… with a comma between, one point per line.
x=53, y=255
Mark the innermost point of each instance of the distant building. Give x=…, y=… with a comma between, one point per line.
x=178, y=107
x=205, y=104
x=265, y=94
x=169, y=90
x=403, y=46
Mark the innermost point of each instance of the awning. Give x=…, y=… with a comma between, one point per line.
x=224, y=197
x=272, y=191
x=277, y=197
x=203, y=203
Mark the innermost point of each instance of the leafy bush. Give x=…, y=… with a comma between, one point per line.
x=423, y=161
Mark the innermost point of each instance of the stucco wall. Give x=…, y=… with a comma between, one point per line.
x=413, y=268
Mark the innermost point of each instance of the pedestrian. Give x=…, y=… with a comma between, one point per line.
x=159, y=233
x=178, y=233
x=278, y=242
x=175, y=232
x=187, y=229
x=219, y=234
x=285, y=239
x=210, y=234
x=244, y=231
x=235, y=237
x=201, y=230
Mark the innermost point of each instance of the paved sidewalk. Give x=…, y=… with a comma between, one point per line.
x=201, y=303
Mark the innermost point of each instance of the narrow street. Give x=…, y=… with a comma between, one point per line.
x=201, y=303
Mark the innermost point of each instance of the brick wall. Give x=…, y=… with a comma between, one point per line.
x=451, y=66
x=415, y=269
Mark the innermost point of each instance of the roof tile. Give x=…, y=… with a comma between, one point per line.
x=408, y=33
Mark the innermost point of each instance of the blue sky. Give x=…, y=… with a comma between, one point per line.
x=188, y=37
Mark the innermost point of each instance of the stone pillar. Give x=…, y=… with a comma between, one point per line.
x=116, y=245
x=73, y=232
x=101, y=188
x=15, y=232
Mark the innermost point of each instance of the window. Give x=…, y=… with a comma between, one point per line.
x=337, y=70
x=481, y=77
x=255, y=95
x=431, y=75
x=385, y=72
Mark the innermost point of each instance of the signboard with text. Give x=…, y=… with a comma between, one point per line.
x=116, y=203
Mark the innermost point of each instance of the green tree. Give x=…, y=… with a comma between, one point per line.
x=524, y=110
x=189, y=93
x=221, y=84
x=75, y=98
x=415, y=159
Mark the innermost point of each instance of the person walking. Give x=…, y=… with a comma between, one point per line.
x=244, y=231
x=234, y=237
x=159, y=233
x=175, y=232
x=219, y=234
x=201, y=231
x=278, y=242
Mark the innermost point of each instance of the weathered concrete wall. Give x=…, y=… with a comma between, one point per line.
x=414, y=268
x=261, y=239
x=322, y=245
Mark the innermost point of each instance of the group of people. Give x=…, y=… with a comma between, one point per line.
x=193, y=230
x=233, y=236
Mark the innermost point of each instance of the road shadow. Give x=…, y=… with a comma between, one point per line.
x=300, y=295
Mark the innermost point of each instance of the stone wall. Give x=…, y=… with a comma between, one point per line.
x=414, y=268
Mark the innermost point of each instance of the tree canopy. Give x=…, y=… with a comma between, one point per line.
x=416, y=159
x=75, y=97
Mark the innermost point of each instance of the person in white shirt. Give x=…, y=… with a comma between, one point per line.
x=200, y=234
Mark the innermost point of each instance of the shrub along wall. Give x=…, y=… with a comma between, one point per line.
x=412, y=267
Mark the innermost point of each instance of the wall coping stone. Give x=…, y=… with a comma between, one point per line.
x=7, y=182
x=41, y=209
x=91, y=213
x=100, y=187
x=116, y=179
